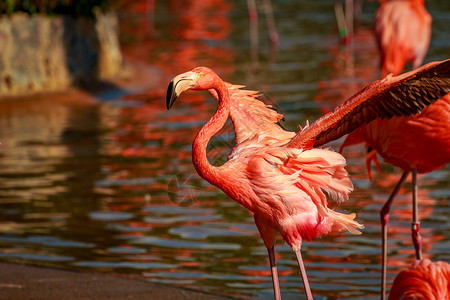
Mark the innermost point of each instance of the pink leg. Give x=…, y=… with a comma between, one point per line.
x=349, y=17
x=253, y=24
x=384, y=215
x=273, y=269
x=303, y=273
x=416, y=237
x=271, y=24
x=268, y=234
x=340, y=18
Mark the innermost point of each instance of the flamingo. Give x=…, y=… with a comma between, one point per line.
x=279, y=175
x=419, y=144
x=403, y=32
x=424, y=279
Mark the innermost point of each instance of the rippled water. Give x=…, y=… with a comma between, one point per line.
x=109, y=185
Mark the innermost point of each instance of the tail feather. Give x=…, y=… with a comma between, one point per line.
x=344, y=223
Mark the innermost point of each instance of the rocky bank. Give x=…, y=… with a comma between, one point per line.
x=47, y=53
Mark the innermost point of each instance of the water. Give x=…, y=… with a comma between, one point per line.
x=109, y=186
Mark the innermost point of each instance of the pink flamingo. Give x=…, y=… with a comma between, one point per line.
x=419, y=144
x=278, y=175
x=424, y=279
x=403, y=32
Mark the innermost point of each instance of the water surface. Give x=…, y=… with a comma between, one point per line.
x=109, y=185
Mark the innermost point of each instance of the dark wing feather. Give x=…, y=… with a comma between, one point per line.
x=403, y=95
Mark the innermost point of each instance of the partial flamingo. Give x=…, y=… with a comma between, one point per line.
x=403, y=32
x=419, y=144
x=424, y=279
x=278, y=175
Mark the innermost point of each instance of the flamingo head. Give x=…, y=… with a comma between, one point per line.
x=200, y=78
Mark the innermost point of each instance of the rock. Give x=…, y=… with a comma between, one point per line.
x=48, y=53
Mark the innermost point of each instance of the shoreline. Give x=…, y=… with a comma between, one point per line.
x=25, y=281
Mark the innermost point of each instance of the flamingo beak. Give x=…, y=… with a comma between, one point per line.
x=178, y=85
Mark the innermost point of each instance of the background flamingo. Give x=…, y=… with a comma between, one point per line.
x=403, y=32
x=277, y=174
x=419, y=144
x=424, y=279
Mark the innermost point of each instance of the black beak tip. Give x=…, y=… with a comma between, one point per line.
x=170, y=97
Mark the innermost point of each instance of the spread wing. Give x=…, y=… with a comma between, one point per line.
x=402, y=95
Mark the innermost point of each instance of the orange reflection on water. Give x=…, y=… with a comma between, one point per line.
x=352, y=67
x=197, y=36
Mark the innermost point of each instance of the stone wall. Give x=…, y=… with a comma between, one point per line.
x=47, y=53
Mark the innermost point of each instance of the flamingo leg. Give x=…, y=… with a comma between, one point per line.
x=303, y=273
x=253, y=24
x=415, y=226
x=268, y=10
x=340, y=18
x=384, y=216
x=273, y=270
x=349, y=17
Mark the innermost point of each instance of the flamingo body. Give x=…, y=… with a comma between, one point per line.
x=422, y=280
x=418, y=144
x=421, y=142
x=283, y=187
x=403, y=32
x=278, y=175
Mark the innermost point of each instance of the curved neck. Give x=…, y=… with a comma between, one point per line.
x=207, y=171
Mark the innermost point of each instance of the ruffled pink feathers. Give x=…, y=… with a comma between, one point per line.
x=424, y=279
x=317, y=173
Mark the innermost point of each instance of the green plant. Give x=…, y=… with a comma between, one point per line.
x=7, y=6
x=68, y=7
